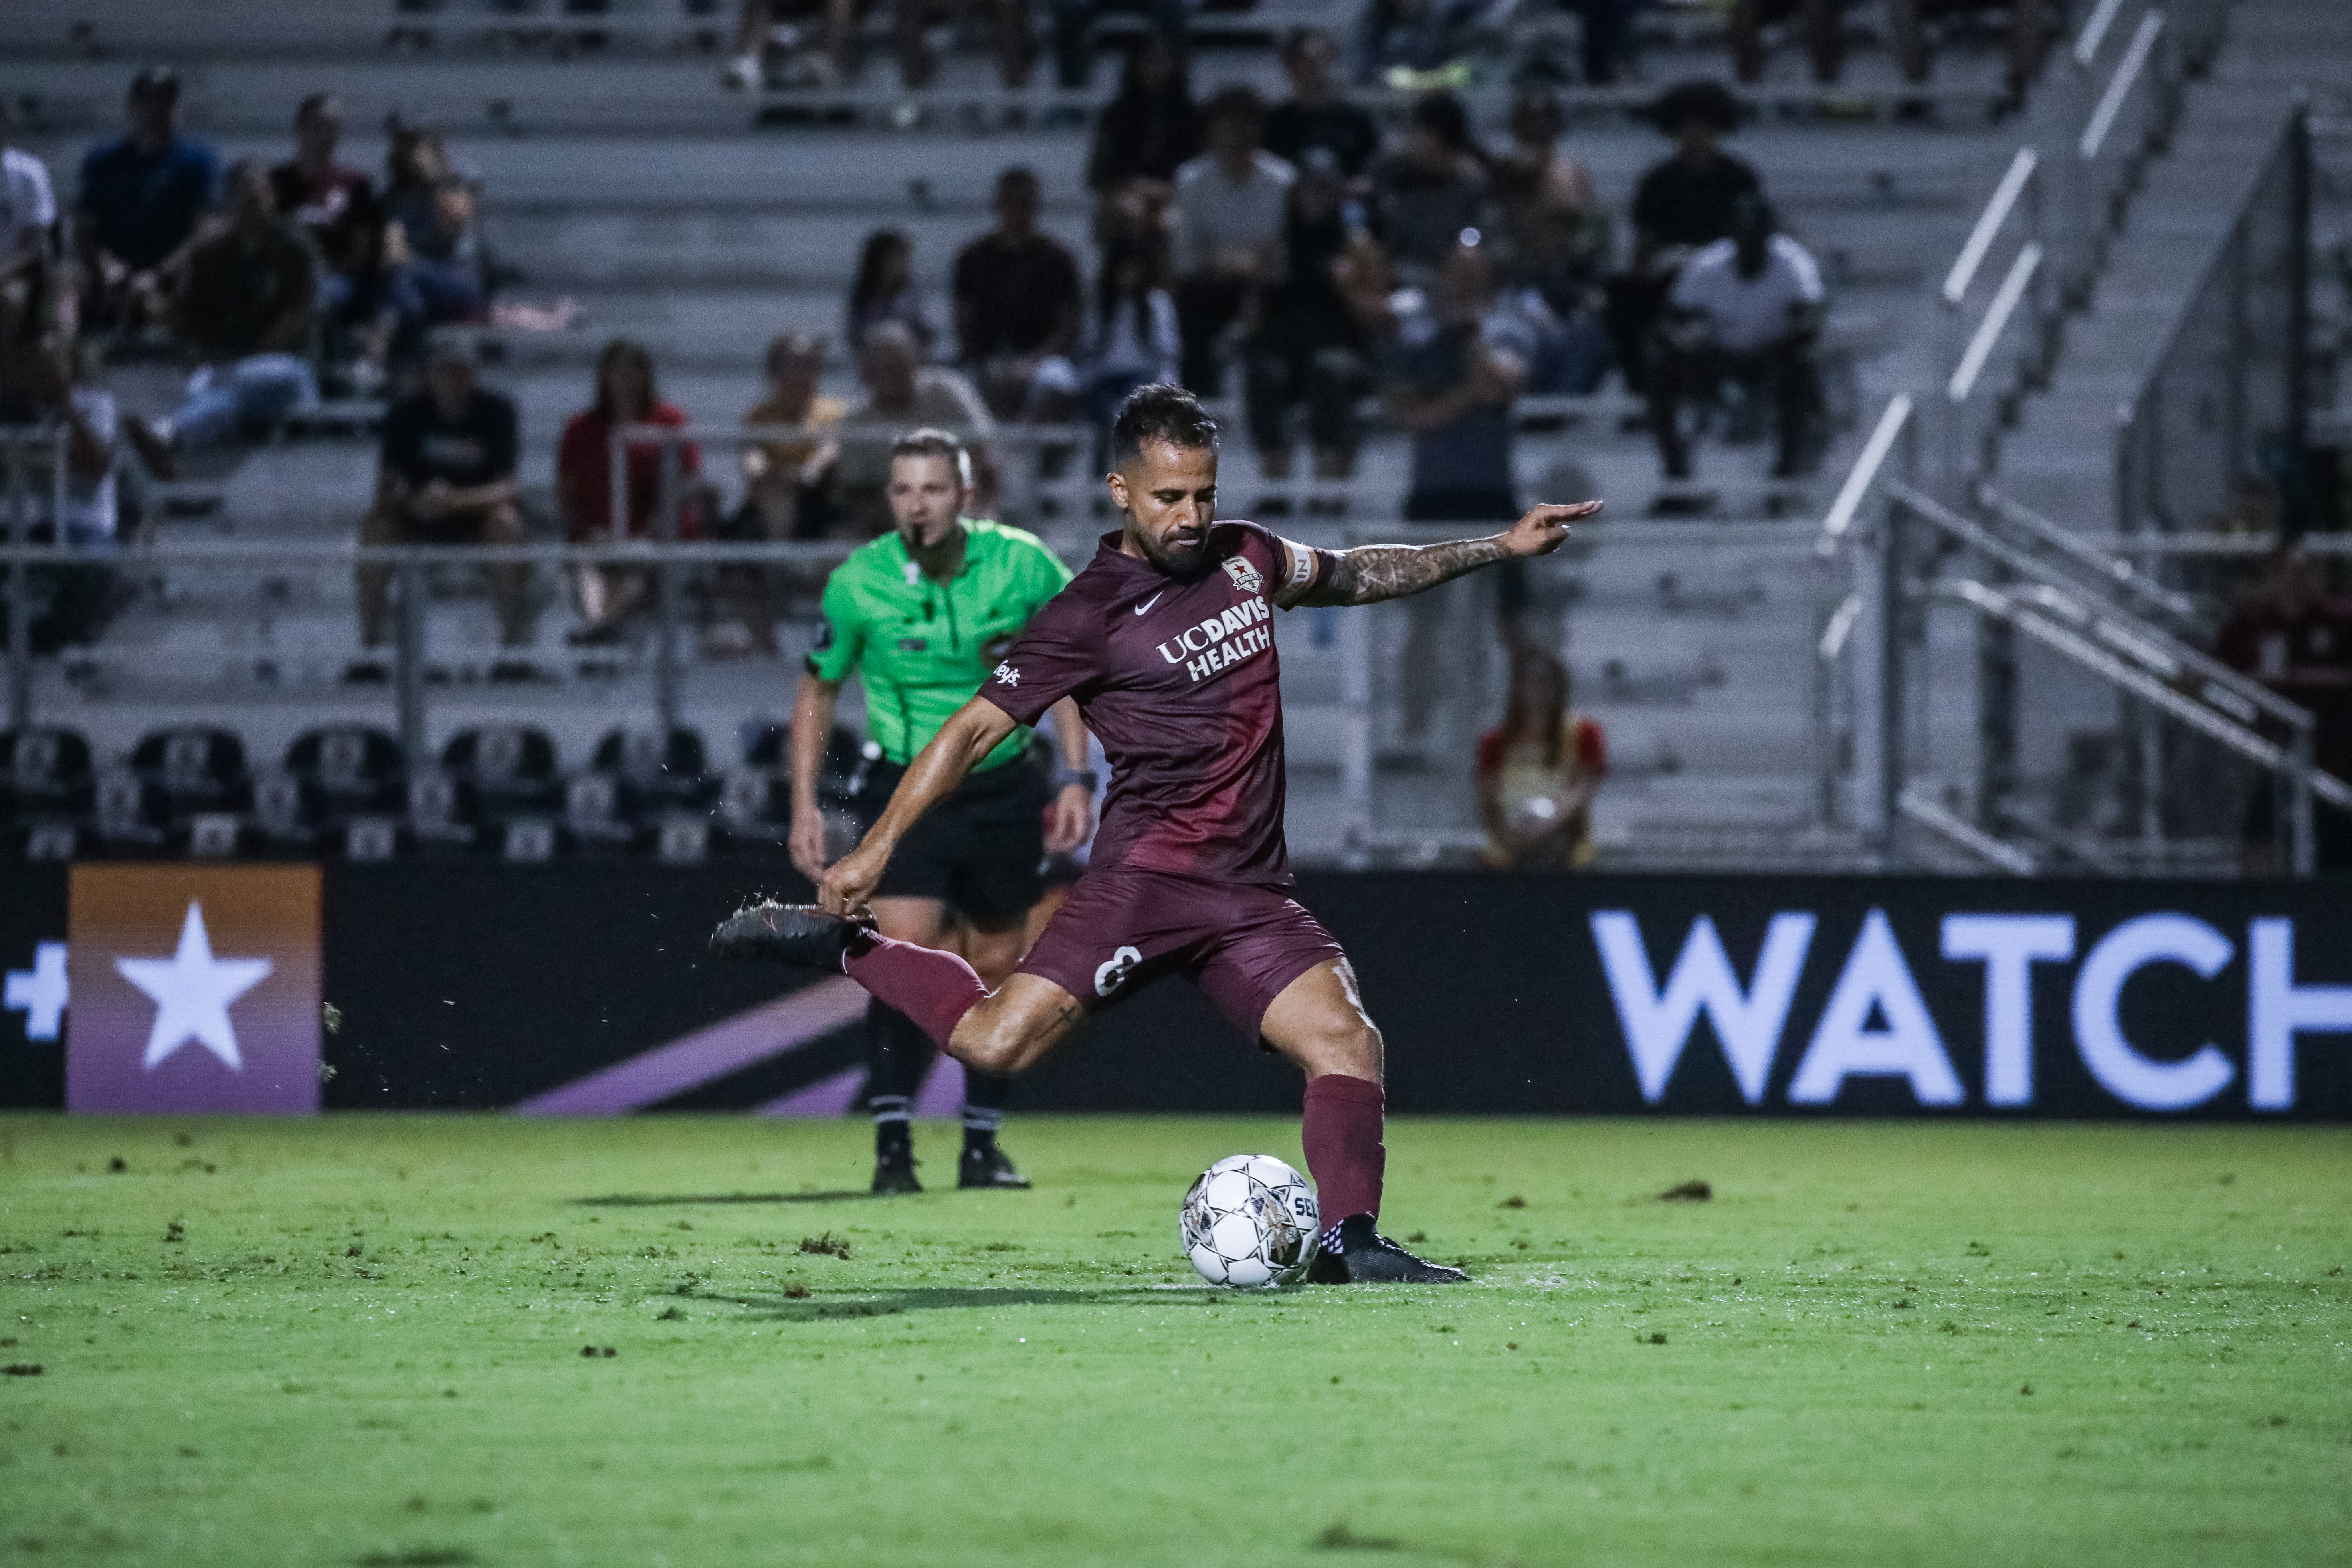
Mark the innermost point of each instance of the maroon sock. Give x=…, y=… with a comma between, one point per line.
x=1342, y=1138
x=931, y=987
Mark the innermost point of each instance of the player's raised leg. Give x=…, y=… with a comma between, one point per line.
x=1319, y=1021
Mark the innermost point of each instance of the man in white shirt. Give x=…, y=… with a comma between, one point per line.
x=1227, y=232
x=28, y=233
x=1747, y=308
x=903, y=394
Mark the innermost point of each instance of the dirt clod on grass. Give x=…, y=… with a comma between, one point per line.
x=825, y=1245
x=21, y=1369
x=1340, y=1538
x=118, y=1164
x=593, y=1351
x=1513, y=1202
x=1692, y=1192
x=796, y=1292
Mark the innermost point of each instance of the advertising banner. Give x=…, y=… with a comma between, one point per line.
x=586, y=990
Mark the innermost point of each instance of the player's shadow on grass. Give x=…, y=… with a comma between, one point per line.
x=776, y=1308
x=664, y=1200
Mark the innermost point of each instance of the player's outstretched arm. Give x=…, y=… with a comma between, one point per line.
x=1371, y=572
x=970, y=732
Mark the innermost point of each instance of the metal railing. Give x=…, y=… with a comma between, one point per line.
x=2224, y=401
x=18, y=445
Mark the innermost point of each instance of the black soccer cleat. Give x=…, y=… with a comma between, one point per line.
x=1365, y=1256
x=894, y=1174
x=800, y=934
x=987, y=1167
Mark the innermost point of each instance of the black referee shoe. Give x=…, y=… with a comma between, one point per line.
x=894, y=1174
x=800, y=934
x=1365, y=1256
x=986, y=1166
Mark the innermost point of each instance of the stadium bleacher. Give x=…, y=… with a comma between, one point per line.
x=620, y=178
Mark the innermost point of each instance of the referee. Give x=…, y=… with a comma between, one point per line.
x=921, y=614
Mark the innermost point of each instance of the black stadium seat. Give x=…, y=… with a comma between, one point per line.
x=508, y=788
x=46, y=789
x=341, y=773
x=655, y=775
x=190, y=776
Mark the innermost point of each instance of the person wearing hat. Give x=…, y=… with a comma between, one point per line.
x=1684, y=203
x=446, y=475
x=143, y=197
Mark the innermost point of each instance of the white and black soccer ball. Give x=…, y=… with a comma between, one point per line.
x=1250, y=1220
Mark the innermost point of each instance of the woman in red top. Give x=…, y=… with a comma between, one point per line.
x=1538, y=773
x=625, y=395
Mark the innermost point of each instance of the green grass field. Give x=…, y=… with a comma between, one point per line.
x=359, y=1340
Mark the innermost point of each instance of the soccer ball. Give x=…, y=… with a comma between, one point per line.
x=1250, y=1220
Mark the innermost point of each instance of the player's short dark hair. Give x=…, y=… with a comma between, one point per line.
x=1159, y=412
x=1708, y=103
x=930, y=441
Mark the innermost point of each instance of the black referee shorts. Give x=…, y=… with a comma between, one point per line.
x=980, y=849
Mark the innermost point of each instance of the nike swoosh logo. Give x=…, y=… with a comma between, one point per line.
x=1149, y=603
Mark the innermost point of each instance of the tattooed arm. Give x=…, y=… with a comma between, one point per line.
x=1371, y=572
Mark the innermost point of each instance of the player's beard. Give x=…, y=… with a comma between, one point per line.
x=1186, y=562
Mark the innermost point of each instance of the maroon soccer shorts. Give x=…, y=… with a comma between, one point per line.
x=1239, y=943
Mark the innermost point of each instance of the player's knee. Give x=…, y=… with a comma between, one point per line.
x=1354, y=1048
x=1002, y=1049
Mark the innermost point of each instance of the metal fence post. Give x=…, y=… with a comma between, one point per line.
x=1356, y=655
x=20, y=597
x=2296, y=514
x=2303, y=844
x=408, y=674
x=665, y=672
x=1894, y=626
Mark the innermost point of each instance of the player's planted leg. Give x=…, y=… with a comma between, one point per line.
x=897, y=1055
x=1319, y=1022
x=982, y=1164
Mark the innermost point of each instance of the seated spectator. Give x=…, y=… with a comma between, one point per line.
x=1226, y=243
x=885, y=291
x=1141, y=138
x=1402, y=44
x=763, y=25
x=1309, y=350
x=143, y=197
x=1747, y=309
x=1074, y=33
x=1315, y=115
x=1133, y=339
x=1682, y=203
x=902, y=393
x=1017, y=308
x=1551, y=240
x=625, y=395
x=1822, y=22
x=787, y=495
x=2287, y=631
x=446, y=475
x=2032, y=25
x=1537, y=771
x=34, y=300
x=44, y=380
x=245, y=311
x=1607, y=28
x=337, y=207
x=1447, y=384
x=912, y=21
x=1431, y=189
x=438, y=272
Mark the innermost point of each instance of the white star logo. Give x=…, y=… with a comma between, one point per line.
x=191, y=990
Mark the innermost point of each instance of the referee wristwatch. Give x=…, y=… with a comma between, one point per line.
x=1082, y=777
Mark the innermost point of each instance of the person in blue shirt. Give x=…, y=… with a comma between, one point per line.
x=143, y=198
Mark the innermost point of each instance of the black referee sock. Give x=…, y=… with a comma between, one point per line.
x=897, y=1056
x=984, y=1097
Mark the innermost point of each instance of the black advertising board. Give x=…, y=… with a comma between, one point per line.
x=32, y=984
x=586, y=990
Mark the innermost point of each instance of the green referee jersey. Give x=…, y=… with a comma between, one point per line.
x=923, y=648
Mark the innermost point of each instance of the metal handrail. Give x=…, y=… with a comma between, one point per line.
x=2119, y=86
x=1996, y=320
x=2095, y=32
x=1996, y=213
x=1863, y=473
x=2110, y=569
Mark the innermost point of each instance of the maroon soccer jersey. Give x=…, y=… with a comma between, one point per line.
x=1181, y=681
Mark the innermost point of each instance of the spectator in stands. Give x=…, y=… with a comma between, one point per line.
x=1747, y=309
x=32, y=300
x=1445, y=382
x=902, y=393
x=1607, y=29
x=337, y=207
x=1074, y=33
x=1682, y=203
x=439, y=271
x=1309, y=349
x=446, y=475
x=918, y=62
x=2031, y=24
x=1018, y=308
x=1226, y=243
x=245, y=311
x=661, y=494
x=1141, y=138
x=44, y=379
x=1431, y=189
x=143, y=197
x=1402, y=43
x=759, y=22
x=1552, y=239
x=1315, y=115
x=885, y=291
x=1822, y=22
x=2287, y=631
x=787, y=495
x=1134, y=340
x=1537, y=771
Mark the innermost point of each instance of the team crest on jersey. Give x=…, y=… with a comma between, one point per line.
x=1245, y=576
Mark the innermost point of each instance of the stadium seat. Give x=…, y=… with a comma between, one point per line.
x=341, y=773
x=194, y=788
x=507, y=788
x=654, y=775
x=46, y=789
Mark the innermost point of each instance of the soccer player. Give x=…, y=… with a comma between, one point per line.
x=920, y=615
x=1164, y=641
